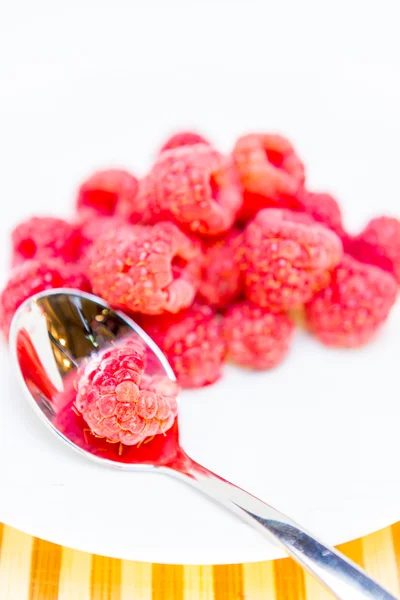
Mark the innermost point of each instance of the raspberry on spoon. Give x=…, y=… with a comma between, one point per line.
x=117, y=403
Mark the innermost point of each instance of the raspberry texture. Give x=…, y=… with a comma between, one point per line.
x=349, y=312
x=379, y=245
x=323, y=208
x=192, y=342
x=221, y=281
x=185, y=138
x=286, y=256
x=109, y=192
x=193, y=185
x=146, y=269
x=46, y=237
x=113, y=402
x=35, y=276
x=93, y=227
x=255, y=337
x=270, y=171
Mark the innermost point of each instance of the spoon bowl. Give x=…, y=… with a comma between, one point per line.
x=52, y=335
x=55, y=332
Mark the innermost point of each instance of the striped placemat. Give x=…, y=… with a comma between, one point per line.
x=31, y=569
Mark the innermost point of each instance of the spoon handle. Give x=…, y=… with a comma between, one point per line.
x=340, y=575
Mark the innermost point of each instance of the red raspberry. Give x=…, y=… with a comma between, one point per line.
x=286, y=256
x=35, y=276
x=160, y=450
x=46, y=237
x=185, y=138
x=270, y=171
x=93, y=227
x=146, y=269
x=351, y=309
x=113, y=402
x=193, y=185
x=379, y=245
x=221, y=281
x=323, y=208
x=255, y=337
x=192, y=342
x=109, y=192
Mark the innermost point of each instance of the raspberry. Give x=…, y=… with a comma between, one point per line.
x=192, y=342
x=161, y=450
x=256, y=337
x=93, y=227
x=146, y=269
x=109, y=192
x=270, y=171
x=193, y=185
x=379, y=245
x=113, y=402
x=323, y=208
x=285, y=257
x=221, y=281
x=35, y=276
x=351, y=309
x=46, y=237
x=185, y=138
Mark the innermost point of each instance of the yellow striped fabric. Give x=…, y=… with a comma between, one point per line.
x=31, y=569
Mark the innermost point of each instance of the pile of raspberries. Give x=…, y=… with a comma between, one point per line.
x=216, y=257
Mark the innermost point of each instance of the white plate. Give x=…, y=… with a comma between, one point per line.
x=91, y=85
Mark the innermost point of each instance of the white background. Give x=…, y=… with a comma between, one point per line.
x=93, y=83
x=86, y=84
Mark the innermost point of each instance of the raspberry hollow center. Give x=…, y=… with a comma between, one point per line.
x=274, y=157
x=108, y=200
x=214, y=187
x=178, y=265
x=27, y=248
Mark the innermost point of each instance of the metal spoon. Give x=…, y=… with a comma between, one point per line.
x=54, y=331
